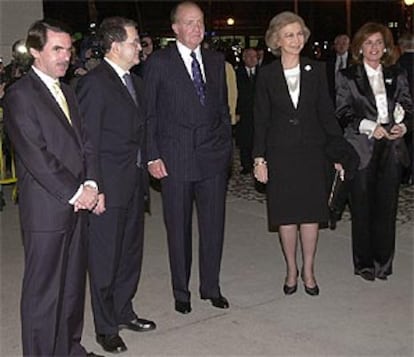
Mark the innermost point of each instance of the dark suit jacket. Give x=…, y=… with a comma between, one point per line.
x=116, y=127
x=356, y=101
x=330, y=73
x=407, y=62
x=278, y=124
x=53, y=157
x=245, y=103
x=194, y=141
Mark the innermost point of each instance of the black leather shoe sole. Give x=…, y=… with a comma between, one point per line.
x=182, y=307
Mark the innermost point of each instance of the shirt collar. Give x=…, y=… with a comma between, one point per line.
x=371, y=71
x=119, y=71
x=46, y=79
x=186, y=52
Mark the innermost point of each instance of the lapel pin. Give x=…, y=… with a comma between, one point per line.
x=308, y=67
x=388, y=80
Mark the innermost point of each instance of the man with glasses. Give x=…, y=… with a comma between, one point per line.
x=111, y=103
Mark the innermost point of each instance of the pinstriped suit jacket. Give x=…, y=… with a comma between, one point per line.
x=194, y=141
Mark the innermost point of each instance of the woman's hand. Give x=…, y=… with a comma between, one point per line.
x=397, y=131
x=380, y=132
x=260, y=170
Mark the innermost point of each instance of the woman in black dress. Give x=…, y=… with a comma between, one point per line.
x=375, y=107
x=294, y=120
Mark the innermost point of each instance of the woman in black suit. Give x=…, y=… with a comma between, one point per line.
x=375, y=107
x=294, y=118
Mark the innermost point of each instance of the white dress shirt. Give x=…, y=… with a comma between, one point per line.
x=49, y=82
x=185, y=54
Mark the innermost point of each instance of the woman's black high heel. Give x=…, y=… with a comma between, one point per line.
x=289, y=290
x=314, y=291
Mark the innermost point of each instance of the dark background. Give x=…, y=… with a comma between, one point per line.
x=325, y=18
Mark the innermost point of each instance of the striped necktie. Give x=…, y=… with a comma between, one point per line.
x=198, y=79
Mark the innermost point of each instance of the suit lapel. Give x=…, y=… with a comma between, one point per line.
x=390, y=88
x=362, y=82
x=118, y=84
x=306, y=73
x=46, y=95
x=281, y=87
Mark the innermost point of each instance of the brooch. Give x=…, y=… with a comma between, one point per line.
x=308, y=67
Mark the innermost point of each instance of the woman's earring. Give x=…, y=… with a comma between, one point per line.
x=360, y=51
x=385, y=50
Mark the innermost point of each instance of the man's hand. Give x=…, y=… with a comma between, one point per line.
x=87, y=200
x=157, y=169
x=100, y=205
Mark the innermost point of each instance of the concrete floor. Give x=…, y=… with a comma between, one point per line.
x=351, y=317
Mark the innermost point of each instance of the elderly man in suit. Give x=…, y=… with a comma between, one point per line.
x=111, y=102
x=340, y=60
x=189, y=143
x=246, y=79
x=56, y=167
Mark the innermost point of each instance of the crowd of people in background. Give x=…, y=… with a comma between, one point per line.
x=92, y=122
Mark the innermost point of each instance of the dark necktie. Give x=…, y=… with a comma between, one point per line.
x=130, y=86
x=131, y=90
x=198, y=79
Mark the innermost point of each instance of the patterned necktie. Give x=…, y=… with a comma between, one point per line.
x=130, y=86
x=60, y=98
x=198, y=79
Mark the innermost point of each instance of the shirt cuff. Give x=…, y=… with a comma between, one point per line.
x=89, y=183
x=76, y=195
x=403, y=127
x=152, y=162
x=367, y=127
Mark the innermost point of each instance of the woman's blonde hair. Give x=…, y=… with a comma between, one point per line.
x=277, y=23
x=366, y=31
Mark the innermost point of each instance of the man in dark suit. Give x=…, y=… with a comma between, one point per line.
x=57, y=180
x=340, y=60
x=189, y=142
x=246, y=79
x=339, y=191
x=111, y=103
x=406, y=61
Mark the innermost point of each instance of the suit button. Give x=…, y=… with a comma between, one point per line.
x=294, y=121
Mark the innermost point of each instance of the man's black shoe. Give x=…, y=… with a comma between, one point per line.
x=91, y=354
x=140, y=325
x=182, y=307
x=111, y=343
x=220, y=302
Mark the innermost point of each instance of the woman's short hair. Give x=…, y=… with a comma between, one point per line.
x=277, y=23
x=366, y=31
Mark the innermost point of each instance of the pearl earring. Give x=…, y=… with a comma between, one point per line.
x=385, y=50
x=360, y=51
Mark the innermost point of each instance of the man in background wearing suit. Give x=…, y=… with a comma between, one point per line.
x=189, y=144
x=111, y=103
x=340, y=60
x=246, y=79
x=57, y=181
